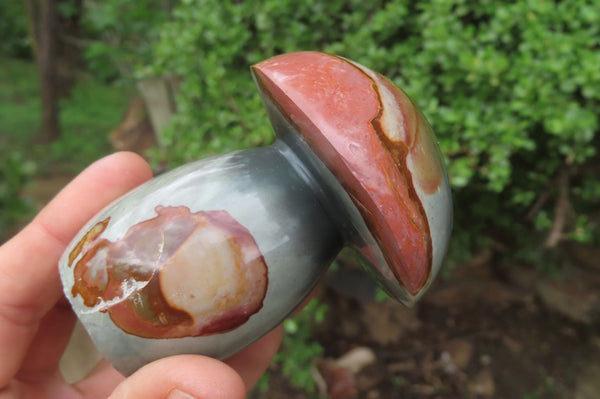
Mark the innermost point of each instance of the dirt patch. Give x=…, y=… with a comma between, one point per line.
x=474, y=335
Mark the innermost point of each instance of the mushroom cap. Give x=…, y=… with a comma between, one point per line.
x=374, y=153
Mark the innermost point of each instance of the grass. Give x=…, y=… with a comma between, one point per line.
x=87, y=117
x=19, y=102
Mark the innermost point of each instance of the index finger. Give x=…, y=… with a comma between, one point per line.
x=29, y=280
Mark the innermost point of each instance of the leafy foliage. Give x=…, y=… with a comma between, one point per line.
x=296, y=357
x=15, y=173
x=298, y=350
x=122, y=34
x=211, y=45
x=87, y=117
x=13, y=29
x=512, y=90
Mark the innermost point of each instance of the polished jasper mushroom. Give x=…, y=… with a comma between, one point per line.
x=211, y=256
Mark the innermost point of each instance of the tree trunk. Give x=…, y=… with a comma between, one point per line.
x=47, y=68
x=33, y=26
x=68, y=48
x=159, y=96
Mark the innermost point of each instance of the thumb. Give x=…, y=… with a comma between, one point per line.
x=183, y=377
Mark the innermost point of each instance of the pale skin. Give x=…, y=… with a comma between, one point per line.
x=36, y=320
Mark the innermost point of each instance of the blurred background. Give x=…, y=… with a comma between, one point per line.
x=512, y=90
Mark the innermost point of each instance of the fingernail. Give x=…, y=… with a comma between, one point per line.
x=177, y=394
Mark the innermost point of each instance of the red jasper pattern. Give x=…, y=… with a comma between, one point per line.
x=374, y=140
x=179, y=274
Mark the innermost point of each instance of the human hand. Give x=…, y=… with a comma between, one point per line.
x=36, y=320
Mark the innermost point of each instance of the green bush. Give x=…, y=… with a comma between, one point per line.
x=512, y=90
x=298, y=352
x=15, y=173
x=13, y=29
x=121, y=34
x=87, y=117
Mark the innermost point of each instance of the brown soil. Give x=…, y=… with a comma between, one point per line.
x=473, y=335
